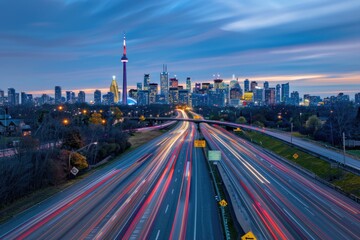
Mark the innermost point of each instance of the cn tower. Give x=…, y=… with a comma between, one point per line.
x=124, y=60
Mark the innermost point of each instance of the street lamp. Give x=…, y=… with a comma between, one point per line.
x=292, y=125
x=66, y=121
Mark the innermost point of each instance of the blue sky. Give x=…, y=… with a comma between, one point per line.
x=77, y=44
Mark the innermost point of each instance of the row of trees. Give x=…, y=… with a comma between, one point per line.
x=325, y=123
x=45, y=158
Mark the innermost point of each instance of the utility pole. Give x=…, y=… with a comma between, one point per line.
x=344, y=146
x=292, y=125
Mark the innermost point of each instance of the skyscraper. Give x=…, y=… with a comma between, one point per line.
x=246, y=85
x=266, y=85
x=139, y=86
x=57, y=94
x=188, y=83
x=235, y=93
x=97, y=97
x=164, y=83
x=218, y=83
x=81, y=97
x=146, y=81
x=285, y=91
x=253, y=84
x=174, y=82
x=68, y=96
x=277, y=94
x=270, y=96
x=124, y=60
x=11, y=96
x=23, y=98
x=153, y=91
x=357, y=98
x=115, y=90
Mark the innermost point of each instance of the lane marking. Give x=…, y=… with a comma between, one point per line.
x=157, y=235
x=167, y=207
x=172, y=191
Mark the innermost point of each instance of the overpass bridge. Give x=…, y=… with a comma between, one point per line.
x=344, y=160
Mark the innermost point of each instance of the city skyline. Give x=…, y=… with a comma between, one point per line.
x=314, y=46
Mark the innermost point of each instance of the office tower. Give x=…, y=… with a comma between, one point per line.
x=188, y=83
x=23, y=98
x=246, y=85
x=143, y=97
x=235, y=93
x=108, y=98
x=57, y=94
x=139, y=86
x=174, y=82
x=218, y=83
x=270, y=96
x=357, y=98
x=17, y=98
x=146, y=81
x=164, y=83
x=68, y=96
x=11, y=96
x=294, y=98
x=216, y=98
x=184, y=96
x=81, y=97
x=197, y=87
x=2, y=97
x=205, y=86
x=285, y=92
x=266, y=85
x=153, y=91
x=114, y=89
x=29, y=98
x=253, y=84
x=133, y=93
x=258, y=96
x=97, y=97
x=277, y=94
x=124, y=60
x=173, y=95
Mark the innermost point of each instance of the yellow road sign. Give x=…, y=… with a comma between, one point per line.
x=142, y=118
x=237, y=130
x=199, y=143
x=295, y=156
x=197, y=117
x=223, y=203
x=248, y=236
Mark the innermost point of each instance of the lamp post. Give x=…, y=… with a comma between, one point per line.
x=291, y=131
x=344, y=146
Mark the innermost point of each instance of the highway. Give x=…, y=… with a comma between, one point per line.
x=276, y=201
x=311, y=147
x=151, y=192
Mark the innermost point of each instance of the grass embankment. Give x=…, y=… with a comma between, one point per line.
x=348, y=182
x=8, y=211
x=355, y=153
x=137, y=139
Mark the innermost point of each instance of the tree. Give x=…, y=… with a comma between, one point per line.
x=96, y=118
x=313, y=124
x=79, y=161
x=72, y=139
x=241, y=120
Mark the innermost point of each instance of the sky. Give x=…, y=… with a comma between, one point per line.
x=77, y=44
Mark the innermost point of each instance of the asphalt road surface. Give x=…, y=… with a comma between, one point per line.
x=277, y=201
